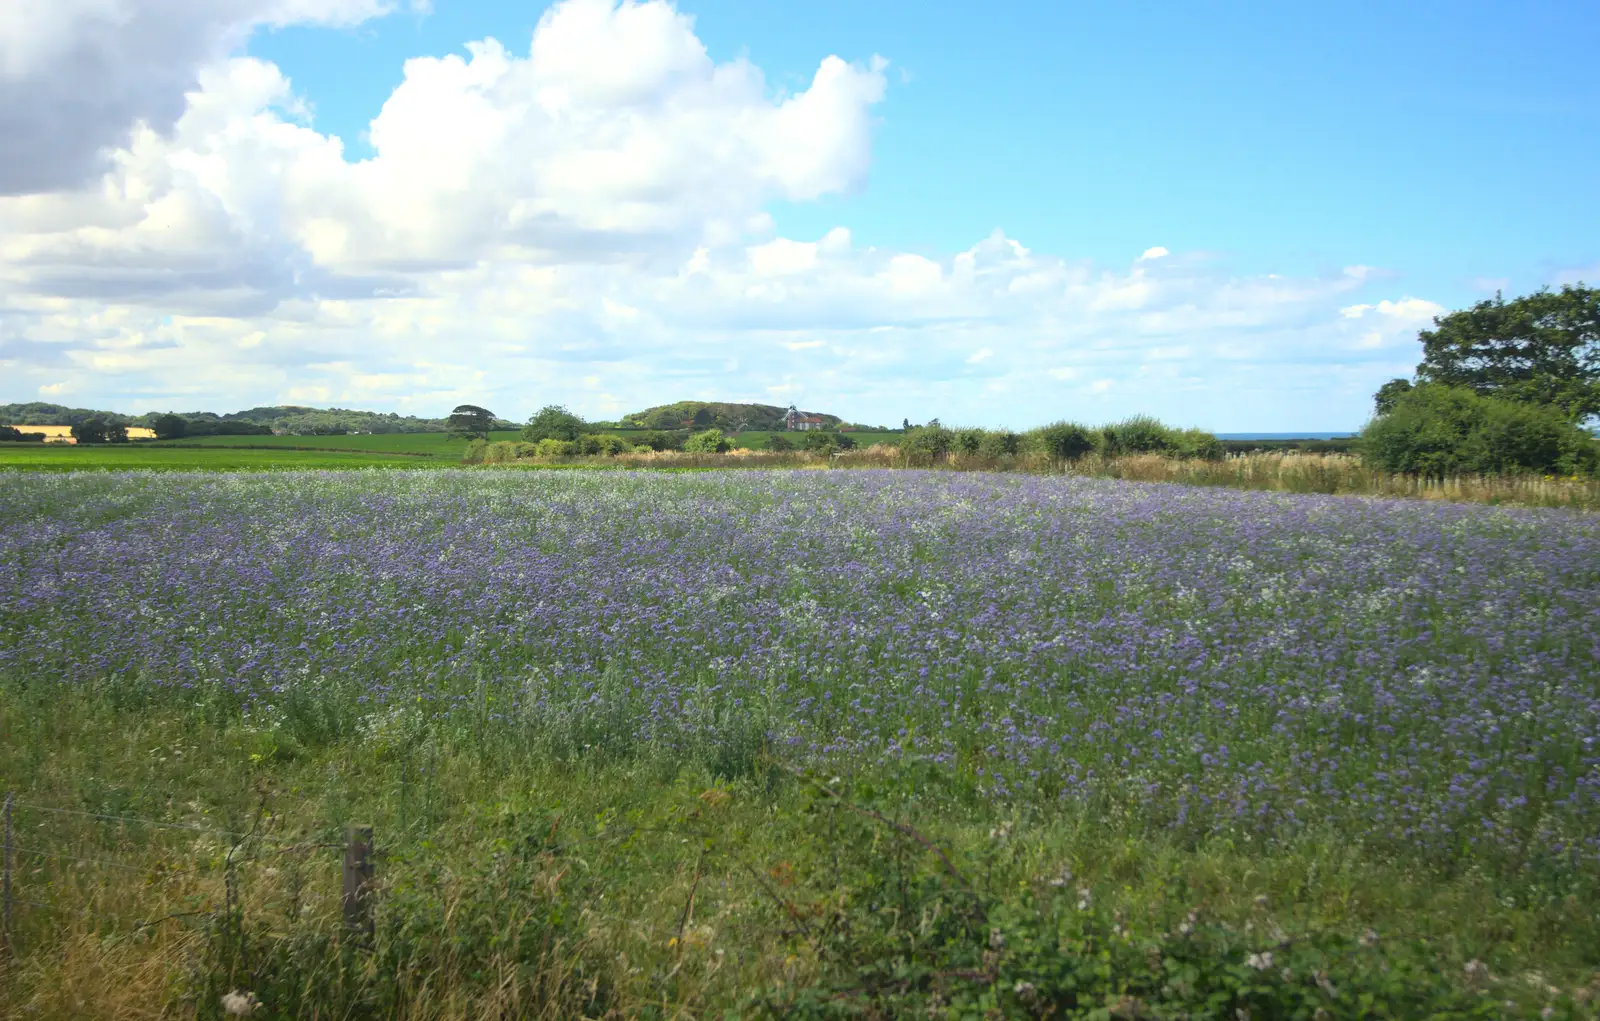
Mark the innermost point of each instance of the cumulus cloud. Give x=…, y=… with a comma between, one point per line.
x=590, y=208
x=77, y=76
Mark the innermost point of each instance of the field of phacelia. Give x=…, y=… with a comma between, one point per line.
x=1415, y=684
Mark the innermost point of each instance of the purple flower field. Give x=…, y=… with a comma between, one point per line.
x=1423, y=679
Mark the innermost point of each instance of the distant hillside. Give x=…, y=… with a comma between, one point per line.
x=715, y=414
x=42, y=413
x=292, y=420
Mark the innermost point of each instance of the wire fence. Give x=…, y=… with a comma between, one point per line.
x=38, y=875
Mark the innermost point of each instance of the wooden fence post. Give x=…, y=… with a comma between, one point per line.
x=358, y=875
x=5, y=895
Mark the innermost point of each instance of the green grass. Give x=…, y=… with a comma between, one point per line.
x=440, y=445
x=210, y=457
x=520, y=881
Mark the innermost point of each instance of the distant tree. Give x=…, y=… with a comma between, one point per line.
x=905, y=425
x=116, y=432
x=170, y=426
x=780, y=443
x=10, y=435
x=1542, y=348
x=1389, y=393
x=90, y=430
x=702, y=419
x=553, y=422
x=468, y=421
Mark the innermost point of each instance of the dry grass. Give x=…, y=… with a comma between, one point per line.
x=1293, y=472
x=1344, y=474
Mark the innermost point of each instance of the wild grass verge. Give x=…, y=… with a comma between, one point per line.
x=1293, y=472
x=521, y=878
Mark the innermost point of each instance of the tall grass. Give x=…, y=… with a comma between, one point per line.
x=1281, y=471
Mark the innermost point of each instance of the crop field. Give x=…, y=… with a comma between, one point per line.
x=203, y=455
x=439, y=445
x=805, y=744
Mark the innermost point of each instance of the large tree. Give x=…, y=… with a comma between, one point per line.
x=470, y=422
x=170, y=426
x=1542, y=348
x=553, y=422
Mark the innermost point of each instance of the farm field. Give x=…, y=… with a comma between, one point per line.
x=199, y=455
x=801, y=744
x=440, y=445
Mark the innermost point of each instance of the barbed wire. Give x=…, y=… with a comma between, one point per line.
x=156, y=823
x=39, y=853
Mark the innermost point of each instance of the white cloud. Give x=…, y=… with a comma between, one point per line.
x=76, y=76
x=594, y=209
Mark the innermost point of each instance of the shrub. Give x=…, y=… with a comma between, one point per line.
x=711, y=441
x=968, y=441
x=932, y=441
x=1140, y=434
x=1438, y=431
x=999, y=443
x=827, y=442
x=1061, y=441
x=655, y=439
x=552, y=447
x=1197, y=443
x=779, y=444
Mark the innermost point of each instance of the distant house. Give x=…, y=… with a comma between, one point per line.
x=796, y=421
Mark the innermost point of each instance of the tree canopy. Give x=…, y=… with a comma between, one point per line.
x=1542, y=348
x=470, y=422
x=553, y=422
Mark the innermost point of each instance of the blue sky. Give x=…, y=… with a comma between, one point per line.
x=1294, y=161
x=1454, y=143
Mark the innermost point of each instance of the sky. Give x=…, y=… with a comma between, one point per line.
x=1232, y=216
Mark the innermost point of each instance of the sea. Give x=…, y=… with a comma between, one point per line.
x=1284, y=436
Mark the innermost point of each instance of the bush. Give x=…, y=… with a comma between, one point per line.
x=931, y=441
x=10, y=434
x=1140, y=434
x=655, y=439
x=1060, y=441
x=1438, y=431
x=779, y=444
x=967, y=441
x=1197, y=443
x=999, y=443
x=709, y=442
x=551, y=447
x=823, y=442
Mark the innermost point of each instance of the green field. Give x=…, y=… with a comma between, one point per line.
x=440, y=445
x=211, y=457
